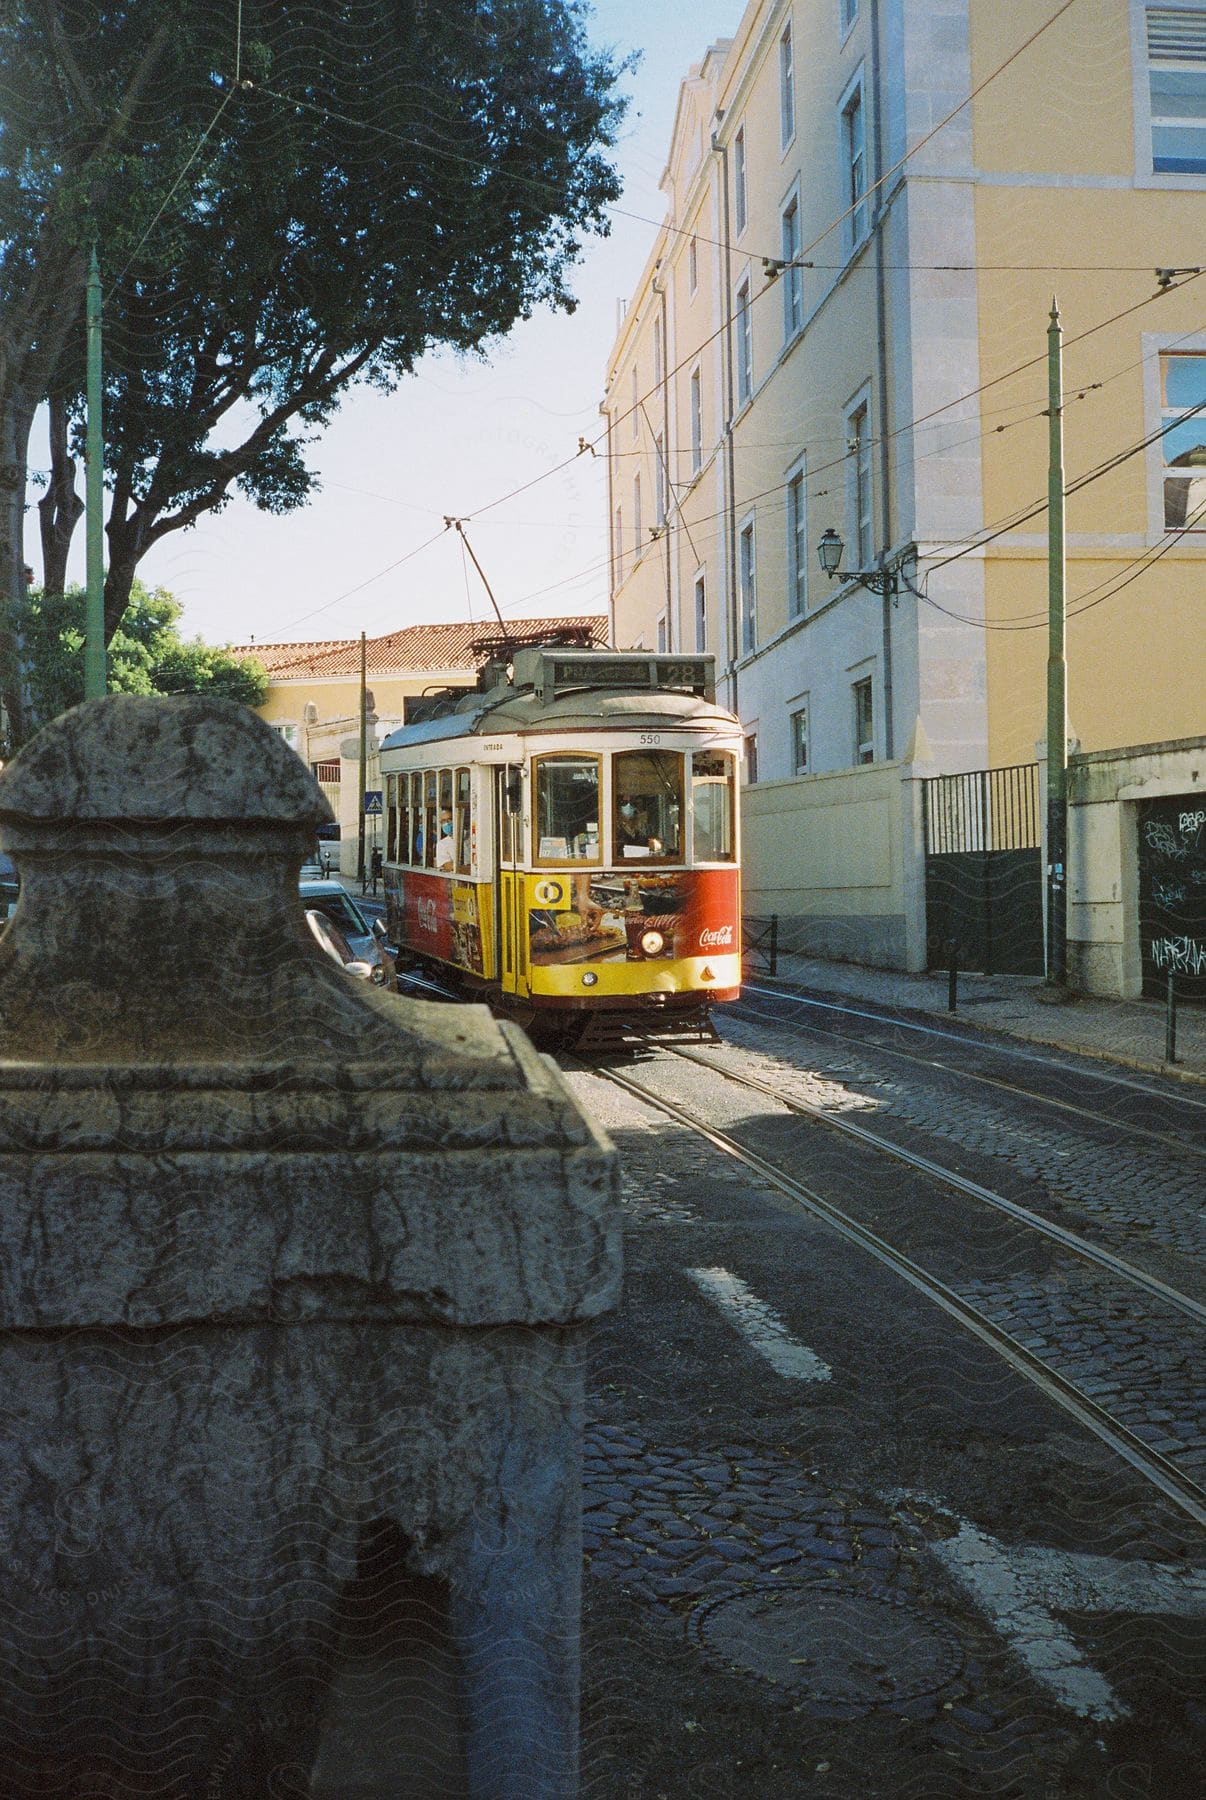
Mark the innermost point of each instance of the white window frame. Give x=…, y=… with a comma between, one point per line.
x=747, y=583
x=659, y=486
x=637, y=521
x=692, y=263
x=860, y=487
x=787, y=85
x=743, y=321
x=749, y=755
x=793, y=275
x=699, y=596
x=864, y=747
x=289, y=732
x=695, y=407
x=795, y=490
x=657, y=355
x=741, y=210
x=847, y=14
x=855, y=225
x=618, y=545
x=1170, y=414
x=800, y=710
x=662, y=634
x=1154, y=344
x=636, y=402
x=1145, y=166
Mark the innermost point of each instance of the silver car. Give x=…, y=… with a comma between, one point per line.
x=366, y=943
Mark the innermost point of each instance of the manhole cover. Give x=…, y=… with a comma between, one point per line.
x=829, y=1644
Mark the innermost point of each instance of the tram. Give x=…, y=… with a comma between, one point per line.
x=563, y=842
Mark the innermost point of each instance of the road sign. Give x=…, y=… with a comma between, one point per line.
x=372, y=802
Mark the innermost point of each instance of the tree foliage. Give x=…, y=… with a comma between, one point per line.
x=146, y=655
x=280, y=212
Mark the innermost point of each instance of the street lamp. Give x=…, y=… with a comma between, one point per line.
x=830, y=551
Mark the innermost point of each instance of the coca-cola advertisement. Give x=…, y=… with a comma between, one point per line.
x=615, y=915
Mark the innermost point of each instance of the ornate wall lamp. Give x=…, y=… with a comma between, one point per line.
x=880, y=581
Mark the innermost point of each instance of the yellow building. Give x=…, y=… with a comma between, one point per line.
x=842, y=326
x=313, y=696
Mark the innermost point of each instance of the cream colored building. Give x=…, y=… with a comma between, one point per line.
x=843, y=325
x=313, y=697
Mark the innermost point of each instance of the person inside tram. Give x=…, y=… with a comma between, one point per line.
x=632, y=828
x=445, y=849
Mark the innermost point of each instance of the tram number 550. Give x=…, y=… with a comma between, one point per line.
x=651, y=737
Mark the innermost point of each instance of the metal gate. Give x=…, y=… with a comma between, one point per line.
x=983, y=870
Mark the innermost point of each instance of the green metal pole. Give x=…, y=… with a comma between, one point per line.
x=363, y=762
x=95, y=678
x=1057, y=669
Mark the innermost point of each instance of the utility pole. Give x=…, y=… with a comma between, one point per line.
x=1057, y=669
x=95, y=678
x=363, y=761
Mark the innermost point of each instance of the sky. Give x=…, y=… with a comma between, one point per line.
x=457, y=436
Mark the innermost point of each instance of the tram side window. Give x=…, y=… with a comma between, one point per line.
x=648, y=801
x=403, y=818
x=567, y=809
x=416, y=819
x=430, y=819
x=464, y=821
x=511, y=811
x=391, y=803
x=712, y=788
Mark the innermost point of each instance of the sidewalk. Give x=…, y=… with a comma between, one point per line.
x=1129, y=1032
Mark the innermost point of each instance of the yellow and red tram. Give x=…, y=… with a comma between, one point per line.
x=563, y=840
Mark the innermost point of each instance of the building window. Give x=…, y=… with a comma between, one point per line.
x=864, y=722
x=701, y=612
x=289, y=733
x=854, y=164
x=659, y=451
x=793, y=274
x=692, y=266
x=636, y=514
x=787, y=89
x=1183, y=443
x=849, y=14
x=750, y=746
x=696, y=392
x=739, y=194
x=745, y=345
x=747, y=577
x=797, y=545
x=799, y=739
x=858, y=485
x=1176, y=53
x=662, y=641
x=657, y=359
x=636, y=405
x=617, y=549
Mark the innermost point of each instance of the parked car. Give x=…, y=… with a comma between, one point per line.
x=328, y=937
x=366, y=943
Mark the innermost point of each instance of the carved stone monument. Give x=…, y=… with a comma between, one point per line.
x=288, y=1266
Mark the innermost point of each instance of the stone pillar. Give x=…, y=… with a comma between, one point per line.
x=285, y=1262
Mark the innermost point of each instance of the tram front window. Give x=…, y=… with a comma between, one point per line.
x=567, y=809
x=712, y=806
x=648, y=800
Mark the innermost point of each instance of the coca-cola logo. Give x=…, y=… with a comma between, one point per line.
x=712, y=940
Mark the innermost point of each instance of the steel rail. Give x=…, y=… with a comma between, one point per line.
x=1150, y=1464
x=1008, y=1087
x=1068, y=1240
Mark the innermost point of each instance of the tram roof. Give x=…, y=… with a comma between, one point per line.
x=520, y=711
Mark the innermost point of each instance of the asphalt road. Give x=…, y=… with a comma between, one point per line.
x=834, y=1544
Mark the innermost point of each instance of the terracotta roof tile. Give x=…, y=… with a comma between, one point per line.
x=414, y=649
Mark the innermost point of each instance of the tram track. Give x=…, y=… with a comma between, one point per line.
x=1158, y=1469
x=1178, y=1145
x=1067, y=1240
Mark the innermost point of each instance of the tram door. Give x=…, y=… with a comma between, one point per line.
x=511, y=920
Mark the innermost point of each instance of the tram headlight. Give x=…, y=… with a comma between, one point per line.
x=590, y=978
x=652, y=943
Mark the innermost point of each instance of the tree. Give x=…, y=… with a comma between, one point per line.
x=146, y=654
x=280, y=215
